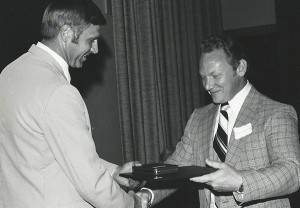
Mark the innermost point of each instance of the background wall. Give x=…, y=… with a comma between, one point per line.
x=247, y=13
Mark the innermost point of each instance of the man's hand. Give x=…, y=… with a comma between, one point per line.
x=225, y=179
x=125, y=182
x=140, y=199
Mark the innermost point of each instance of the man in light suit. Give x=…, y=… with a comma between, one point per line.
x=47, y=153
x=261, y=164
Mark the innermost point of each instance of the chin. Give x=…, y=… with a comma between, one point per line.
x=217, y=101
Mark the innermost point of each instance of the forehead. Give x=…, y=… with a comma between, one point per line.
x=213, y=61
x=93, y=31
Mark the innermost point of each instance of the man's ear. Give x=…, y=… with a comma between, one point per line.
x=242, y=68
x=66, y=33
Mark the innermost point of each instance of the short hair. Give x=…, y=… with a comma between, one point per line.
x=232, y=48
x=79, y=14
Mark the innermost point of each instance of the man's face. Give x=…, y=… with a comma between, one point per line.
x=219, y=78
x=87, y=43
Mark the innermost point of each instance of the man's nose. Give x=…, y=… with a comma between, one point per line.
x=208, y=83
x=94, y=48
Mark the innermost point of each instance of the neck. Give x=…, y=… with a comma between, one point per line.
x=55, y=46
x=241, y=84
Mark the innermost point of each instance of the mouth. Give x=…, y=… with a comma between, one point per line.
x=84, y=57
x=213, y=92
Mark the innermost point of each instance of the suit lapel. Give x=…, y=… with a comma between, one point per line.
x=248, y=114
x=213, y=113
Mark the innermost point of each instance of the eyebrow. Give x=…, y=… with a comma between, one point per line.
x=208, y=74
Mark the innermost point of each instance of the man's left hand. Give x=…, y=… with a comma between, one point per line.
x=225, y=179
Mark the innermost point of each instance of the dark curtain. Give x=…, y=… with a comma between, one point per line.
x=156, y=52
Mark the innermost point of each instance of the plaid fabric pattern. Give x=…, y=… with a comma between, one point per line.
x=268, y=158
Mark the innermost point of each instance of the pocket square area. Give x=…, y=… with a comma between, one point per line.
x=242, y=131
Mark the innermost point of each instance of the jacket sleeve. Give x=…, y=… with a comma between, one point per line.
x=66, y=127
x=183, y=156
x=281, y=176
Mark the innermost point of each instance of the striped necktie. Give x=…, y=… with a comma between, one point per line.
x=221, y=137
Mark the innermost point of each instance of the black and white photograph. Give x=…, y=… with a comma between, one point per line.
x=149, y=103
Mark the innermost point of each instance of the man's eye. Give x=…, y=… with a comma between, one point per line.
x=91, y=41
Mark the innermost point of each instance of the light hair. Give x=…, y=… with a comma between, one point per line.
x=78, y=14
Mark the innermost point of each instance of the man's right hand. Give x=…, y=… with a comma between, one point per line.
x=126, y=168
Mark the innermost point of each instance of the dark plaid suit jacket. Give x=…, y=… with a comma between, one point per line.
x=264, y=147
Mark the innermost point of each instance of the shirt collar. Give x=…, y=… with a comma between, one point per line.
x=237, y=101
x=58, y=58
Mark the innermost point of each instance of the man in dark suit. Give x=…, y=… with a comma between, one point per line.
x=47, y=154
x=250, y=139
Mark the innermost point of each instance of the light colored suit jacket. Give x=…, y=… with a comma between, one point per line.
x=47, y=154
x=264, y=147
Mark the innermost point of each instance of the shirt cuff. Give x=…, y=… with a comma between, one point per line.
x=152, y=195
